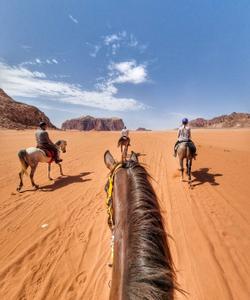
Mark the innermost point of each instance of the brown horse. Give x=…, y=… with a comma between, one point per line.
x=142, y=263
x=124, y=143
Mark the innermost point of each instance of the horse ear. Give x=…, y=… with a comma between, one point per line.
x=109, y=160
x=134, y=157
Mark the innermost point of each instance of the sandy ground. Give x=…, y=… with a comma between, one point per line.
x=54, y=242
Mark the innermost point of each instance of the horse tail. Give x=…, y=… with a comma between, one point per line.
x=22, y=154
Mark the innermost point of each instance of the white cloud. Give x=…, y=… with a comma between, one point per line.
x=21, y=82
x=73, y=19
x=40, y=62
x=122, y=39
x=112, y=43
x=128, y=71
x=110, y=39
x=95, y=50
x=26, y=47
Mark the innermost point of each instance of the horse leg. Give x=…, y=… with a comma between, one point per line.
x=61, y=172
x=187, y=166
x=125, y=152
x=33, y=169
x=181, y=168
x=49, y=169
x=122, y=152
x=189, y=169
x=21, y=180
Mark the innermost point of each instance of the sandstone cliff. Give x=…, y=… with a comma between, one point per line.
x=142, y=129
x=87, y=123
x=17, y=115
x=234, y=120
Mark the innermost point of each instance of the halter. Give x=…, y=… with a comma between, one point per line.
x=109, y=203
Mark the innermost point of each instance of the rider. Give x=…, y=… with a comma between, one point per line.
x=44, y=142
x=184, y=135
x=125, y=132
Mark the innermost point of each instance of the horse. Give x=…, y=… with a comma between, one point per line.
x=124, y=143
x=30, y=157
x=142, y=267
x=184, y=151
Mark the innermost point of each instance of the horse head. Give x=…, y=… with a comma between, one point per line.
x=61, y=144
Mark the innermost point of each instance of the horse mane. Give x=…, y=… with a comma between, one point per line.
x=150, y=271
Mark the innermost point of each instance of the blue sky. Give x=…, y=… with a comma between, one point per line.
x=149, y=62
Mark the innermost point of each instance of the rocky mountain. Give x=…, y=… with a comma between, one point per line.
x=87, y=123
x=142, y=129
x=17, y=115
x=234, y=120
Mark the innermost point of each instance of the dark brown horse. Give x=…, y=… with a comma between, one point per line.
x=124, y=143
x=142, y=263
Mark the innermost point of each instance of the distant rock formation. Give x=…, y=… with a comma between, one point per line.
x=17, y=115
x=142, y=129
x=234, y=120
x=87, y=123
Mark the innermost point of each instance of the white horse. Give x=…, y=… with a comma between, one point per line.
x=30, y=157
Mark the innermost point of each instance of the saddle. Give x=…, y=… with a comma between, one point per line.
x=48, y=153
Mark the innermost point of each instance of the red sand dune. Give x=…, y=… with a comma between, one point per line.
x=68, y=257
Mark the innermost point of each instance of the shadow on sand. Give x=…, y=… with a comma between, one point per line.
x=202, y=176
x=65, y=180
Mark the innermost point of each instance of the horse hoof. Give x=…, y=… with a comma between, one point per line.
x=18, y=189
x=50, y=178
x=36, y=186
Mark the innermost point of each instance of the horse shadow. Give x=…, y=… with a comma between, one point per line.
x=202, y=176
x=64, y=181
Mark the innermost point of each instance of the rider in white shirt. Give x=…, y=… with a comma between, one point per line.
x=124, y=132
x=184, y=135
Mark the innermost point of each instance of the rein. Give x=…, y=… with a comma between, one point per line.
x=109, y=204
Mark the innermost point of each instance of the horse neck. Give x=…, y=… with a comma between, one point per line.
x=120, y=205
x=142, y=264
